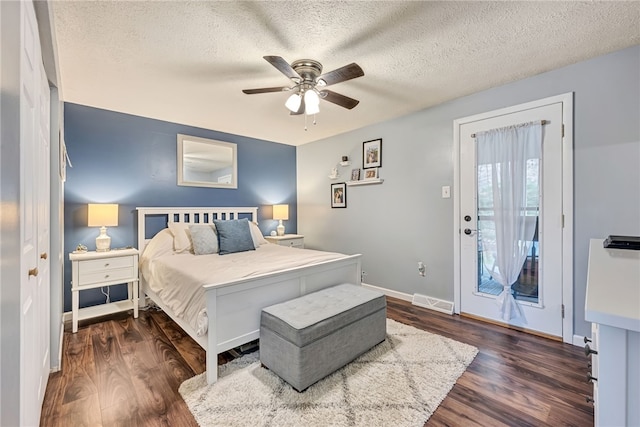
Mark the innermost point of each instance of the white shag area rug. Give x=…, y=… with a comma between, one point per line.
x=400, y=382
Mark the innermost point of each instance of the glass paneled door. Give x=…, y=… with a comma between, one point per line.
x=525, y=288
x=535, y=248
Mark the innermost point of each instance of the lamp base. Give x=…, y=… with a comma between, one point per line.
x=103, y=242
x=280, y=229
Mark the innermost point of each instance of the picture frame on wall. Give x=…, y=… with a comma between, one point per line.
x=372, y=154
x=371, y=173
x=339, y=195
x=355, y=174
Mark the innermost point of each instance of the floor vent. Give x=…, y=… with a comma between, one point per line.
x=433, y=303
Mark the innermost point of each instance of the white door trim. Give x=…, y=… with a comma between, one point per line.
x=567, y=200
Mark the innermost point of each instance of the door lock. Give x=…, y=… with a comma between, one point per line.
x=468, y=231
x=467, y=218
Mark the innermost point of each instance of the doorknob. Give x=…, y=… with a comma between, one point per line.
x=468, y=231
x=467, y=218
x=43, y=255
x=33, y=271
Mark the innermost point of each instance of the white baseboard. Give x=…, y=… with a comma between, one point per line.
x=389, y=292
x=578, y=340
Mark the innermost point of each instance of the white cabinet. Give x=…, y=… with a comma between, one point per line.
x=291, y=240
x=613, y=307
x=91, y=270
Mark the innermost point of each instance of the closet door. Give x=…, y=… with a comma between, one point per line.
x=43, y=191
x=34, y=227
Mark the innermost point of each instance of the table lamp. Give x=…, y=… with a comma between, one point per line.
x=280, y=212
x=103, y=215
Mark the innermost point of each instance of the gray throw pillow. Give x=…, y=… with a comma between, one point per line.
x=234, y=236
x=204, y=239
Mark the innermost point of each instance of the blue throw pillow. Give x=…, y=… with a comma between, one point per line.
x=234, y=236
x=204, y=239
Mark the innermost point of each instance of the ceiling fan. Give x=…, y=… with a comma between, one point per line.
x=309, y=84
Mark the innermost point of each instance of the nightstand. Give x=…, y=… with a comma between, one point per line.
x=91, y=270
x=291, y=240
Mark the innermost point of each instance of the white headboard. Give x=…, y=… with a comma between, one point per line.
x=199, y=215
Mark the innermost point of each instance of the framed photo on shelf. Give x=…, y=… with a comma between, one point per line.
x=371, y=173
x=355, y=174
x=372, y=154
x=339, y=195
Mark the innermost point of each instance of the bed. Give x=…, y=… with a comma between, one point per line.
x=232, y=304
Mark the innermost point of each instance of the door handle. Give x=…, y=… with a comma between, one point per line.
x=469, y=231
x=33, y=271
x=43, y=255
x=467, y=218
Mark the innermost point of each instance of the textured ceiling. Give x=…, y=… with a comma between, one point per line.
x=187, y=62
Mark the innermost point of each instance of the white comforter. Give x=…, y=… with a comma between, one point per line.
x=178, y=279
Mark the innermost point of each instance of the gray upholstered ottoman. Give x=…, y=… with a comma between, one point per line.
x=307, y=338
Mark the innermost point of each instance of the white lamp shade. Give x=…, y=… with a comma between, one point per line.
x=103, y=215
x=281, y=212
x=293, y=103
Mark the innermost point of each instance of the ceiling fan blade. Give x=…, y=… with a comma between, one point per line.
x=338, y=99
x=284, y=67
x=266, y=90
x=342, y=74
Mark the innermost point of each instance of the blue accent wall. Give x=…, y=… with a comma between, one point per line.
x=131, y=160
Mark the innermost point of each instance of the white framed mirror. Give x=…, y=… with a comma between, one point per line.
x=206, y=162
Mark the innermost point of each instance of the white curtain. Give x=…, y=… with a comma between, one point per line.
x=506, y=151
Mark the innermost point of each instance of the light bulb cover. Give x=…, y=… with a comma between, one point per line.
x=311, y=98
x=311, y=109
x=293, y=102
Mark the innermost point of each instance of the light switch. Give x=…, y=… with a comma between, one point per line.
x=446, y=192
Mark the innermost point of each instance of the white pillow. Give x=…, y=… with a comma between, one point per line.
x=160, y=244
x=256, y=234
x=181, y=237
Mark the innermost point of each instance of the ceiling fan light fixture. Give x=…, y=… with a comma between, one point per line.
x=311, y=98
x=311, y=102
x=311, y=109
x=293, y=103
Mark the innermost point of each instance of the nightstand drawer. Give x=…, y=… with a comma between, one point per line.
x=291, y=240
x=104, y=264
x=105, y=275
x=294, y=243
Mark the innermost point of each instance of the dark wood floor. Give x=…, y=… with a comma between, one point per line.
x=126, y=372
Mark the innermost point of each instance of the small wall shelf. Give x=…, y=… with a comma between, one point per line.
x=365, y=182
x=347, y=163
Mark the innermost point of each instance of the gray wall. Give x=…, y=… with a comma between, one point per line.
x=405, y=220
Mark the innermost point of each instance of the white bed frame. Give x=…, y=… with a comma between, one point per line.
x=233, y=308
